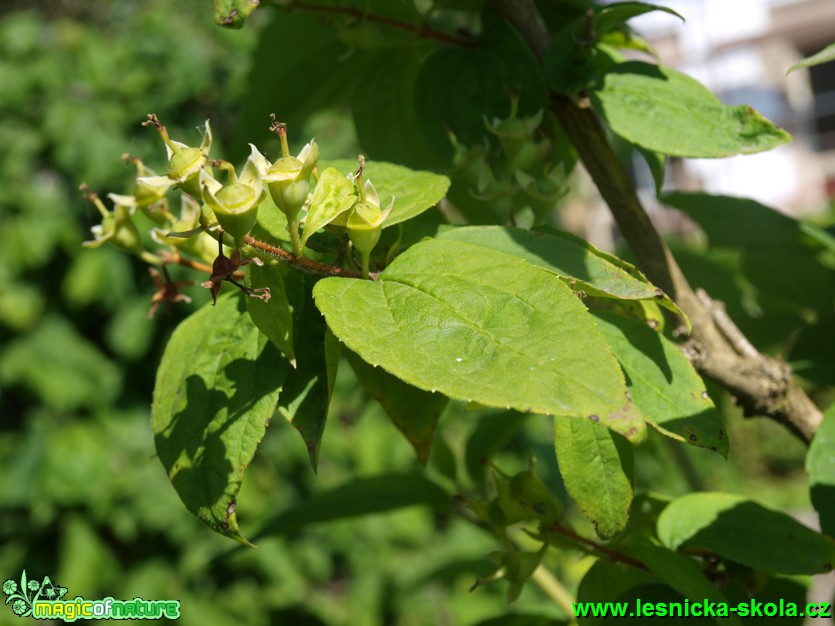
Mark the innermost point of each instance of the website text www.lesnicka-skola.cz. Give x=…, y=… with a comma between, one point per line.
x=705, y=608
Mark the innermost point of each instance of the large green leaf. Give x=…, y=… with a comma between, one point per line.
x=781, y=255
x=663, y=383
x=663, y=110
x=306, y=395
x=746, y=532
x=597, y=469
x=413, y=411
x=413, y=191
x=820, y=463
x=275, y=317
x=360, y=497
x=484, y=326
x=216, y=389
x=824, y=56
x=677, y=570
x=573, y=259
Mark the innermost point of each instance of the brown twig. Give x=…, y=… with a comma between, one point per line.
x=174, y=258
x=421, y=30
x=614, y=555
x=761, y=384
x=303, y=264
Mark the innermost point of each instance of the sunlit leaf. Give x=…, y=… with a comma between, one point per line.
x=476, y=324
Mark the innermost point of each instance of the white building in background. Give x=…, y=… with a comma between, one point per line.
x=741, y=49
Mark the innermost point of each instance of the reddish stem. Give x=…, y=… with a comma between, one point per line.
x=612, y=554
x=420, y=29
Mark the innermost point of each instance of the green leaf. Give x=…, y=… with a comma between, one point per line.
x=476, y=324
x=597, y=468
x=613, y=16
x=492, y=432
x=413, y=411
x=781, y=256
x=746, y=532
x=576, y=261
x=64, y=370
x=384, y=110
x=333, y=196
x=663, y=383
x=483, y=77
x=306, y=395
x=656, y=162
x=522, y=619
x=360, y=497
x=824, y=56
x=413, y=191
x=275, y=317
x=323, y=77
x=569, y=65
x=820, y=463
x=216, y=389
x=233, y=13
x=812, y=354
x=678, y=571
x=606, y=581
x=271, y=224
x=627, y=40
x=687, y=119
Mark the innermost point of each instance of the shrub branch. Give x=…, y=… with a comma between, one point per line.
x=761, y=385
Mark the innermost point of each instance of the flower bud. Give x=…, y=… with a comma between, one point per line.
x=365, y=226
x=288, y=178
x=184, y=162
x=117, y=229
x=235, y=205
x=184, y=167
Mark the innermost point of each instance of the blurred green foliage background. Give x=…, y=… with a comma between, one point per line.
x=82, y=498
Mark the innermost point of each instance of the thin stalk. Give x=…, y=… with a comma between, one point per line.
x=554, y=589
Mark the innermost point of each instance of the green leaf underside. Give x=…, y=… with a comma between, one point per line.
x=333, y=196
x=824, y=56
x=745, y=532
x=615, y=15
x=476, y=324
x=820, y=463
x=275, y=317
x=413, y=191
x=677, y=570
x=664, y=385
x=216, y=388
x=305, y=397
x=360, y=497
x=413, y=411
x=564, y=254
x=597, y=469
x=668, y=112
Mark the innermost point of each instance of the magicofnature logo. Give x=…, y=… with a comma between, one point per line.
x=45, y=600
